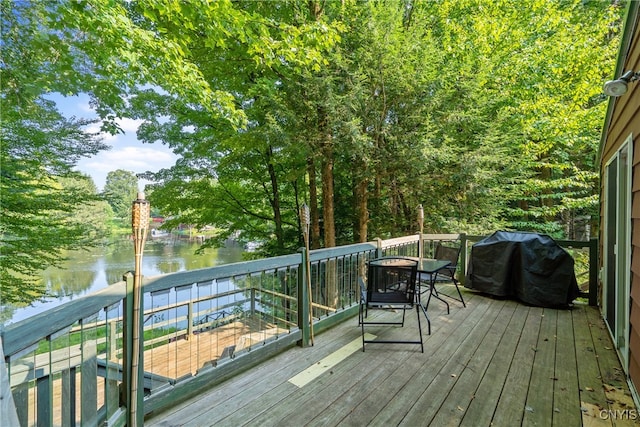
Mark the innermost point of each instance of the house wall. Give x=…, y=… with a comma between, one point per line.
x=625, y=121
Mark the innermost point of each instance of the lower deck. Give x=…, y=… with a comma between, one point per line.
x=494, y=363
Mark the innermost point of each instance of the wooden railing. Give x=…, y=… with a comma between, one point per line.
x=67, y=366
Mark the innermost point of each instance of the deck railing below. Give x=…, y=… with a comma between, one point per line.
x=67, y=366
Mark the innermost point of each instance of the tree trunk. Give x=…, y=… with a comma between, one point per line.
x=327, y=185
x=361, y=208
x=326, y=152
x=275, y=202
x=313, y=204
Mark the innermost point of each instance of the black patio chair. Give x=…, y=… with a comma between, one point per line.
x=449, y=253
x=391, y=285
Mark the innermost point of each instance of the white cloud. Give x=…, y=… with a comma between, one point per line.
x=85, y=107
x=136, y=159
x=129, y=125
x=95, y=128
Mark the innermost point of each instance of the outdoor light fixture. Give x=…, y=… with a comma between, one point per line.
x=618, y=87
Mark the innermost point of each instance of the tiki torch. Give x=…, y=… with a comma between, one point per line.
x=305, y=218
x=421, y=225
x=140, y=225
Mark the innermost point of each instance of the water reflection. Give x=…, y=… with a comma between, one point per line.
x=88, y=271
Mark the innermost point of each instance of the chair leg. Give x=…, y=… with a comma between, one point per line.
x=361, y=320
x=455, y=282
x=420, y=329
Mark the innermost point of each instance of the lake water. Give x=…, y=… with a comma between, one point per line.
x=88, y=271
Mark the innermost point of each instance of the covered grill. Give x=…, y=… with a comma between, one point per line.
x=530, y=267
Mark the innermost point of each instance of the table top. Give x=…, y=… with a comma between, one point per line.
x=424, y=265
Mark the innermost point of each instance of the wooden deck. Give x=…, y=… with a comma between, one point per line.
x=493, y=363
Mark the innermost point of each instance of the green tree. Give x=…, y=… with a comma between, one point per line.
x=431, y=103
x=41, y=216
x=120, y=189
x=239, y=179
x=49, y=47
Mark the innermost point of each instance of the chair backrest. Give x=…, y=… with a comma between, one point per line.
x=392, y=281
x=448, y=253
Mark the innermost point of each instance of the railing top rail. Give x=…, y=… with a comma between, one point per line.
x=27, y=332
x=427, y=236
x=338, y=251
x=168, y=281
x=400, y=240
x=24, y=334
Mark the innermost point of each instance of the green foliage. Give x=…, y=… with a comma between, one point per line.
x=41, y=217
x=488, y=113
x=239, y=180
x=120, y=190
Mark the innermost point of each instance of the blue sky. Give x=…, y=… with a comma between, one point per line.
x=126, y=151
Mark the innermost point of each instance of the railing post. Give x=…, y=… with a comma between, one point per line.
x=593, y=271
x=127, y=339
x=379, y=247
x=8, y=412
x=463, y=258
x=303, y=301
x=128, y=351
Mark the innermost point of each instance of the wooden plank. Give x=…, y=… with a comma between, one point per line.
x=510, y=408
x=445, y=361
x=592, y=396
x=329, y=362
x=612, y=376
x=463, y=393
x=314, y=400
x=365, y=402
x=482, y=406
x=475, y=369
x=356, y=379
x=343, y=395
x=539, y=403
x=610, y=370
x=566, y=394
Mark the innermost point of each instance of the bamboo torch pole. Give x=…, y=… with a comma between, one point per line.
x=140, y=210
x=306, y=221
x=421, y=225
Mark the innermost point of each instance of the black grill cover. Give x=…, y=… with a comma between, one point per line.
x=530, y=267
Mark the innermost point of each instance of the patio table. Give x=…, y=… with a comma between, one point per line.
x=431, y=267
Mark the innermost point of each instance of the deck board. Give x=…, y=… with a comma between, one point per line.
x=434, y=397
x=511, y=405
x=539, y=405
x=495, y=362
x=490, y=388
x=463, y=392
x=566, y=393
